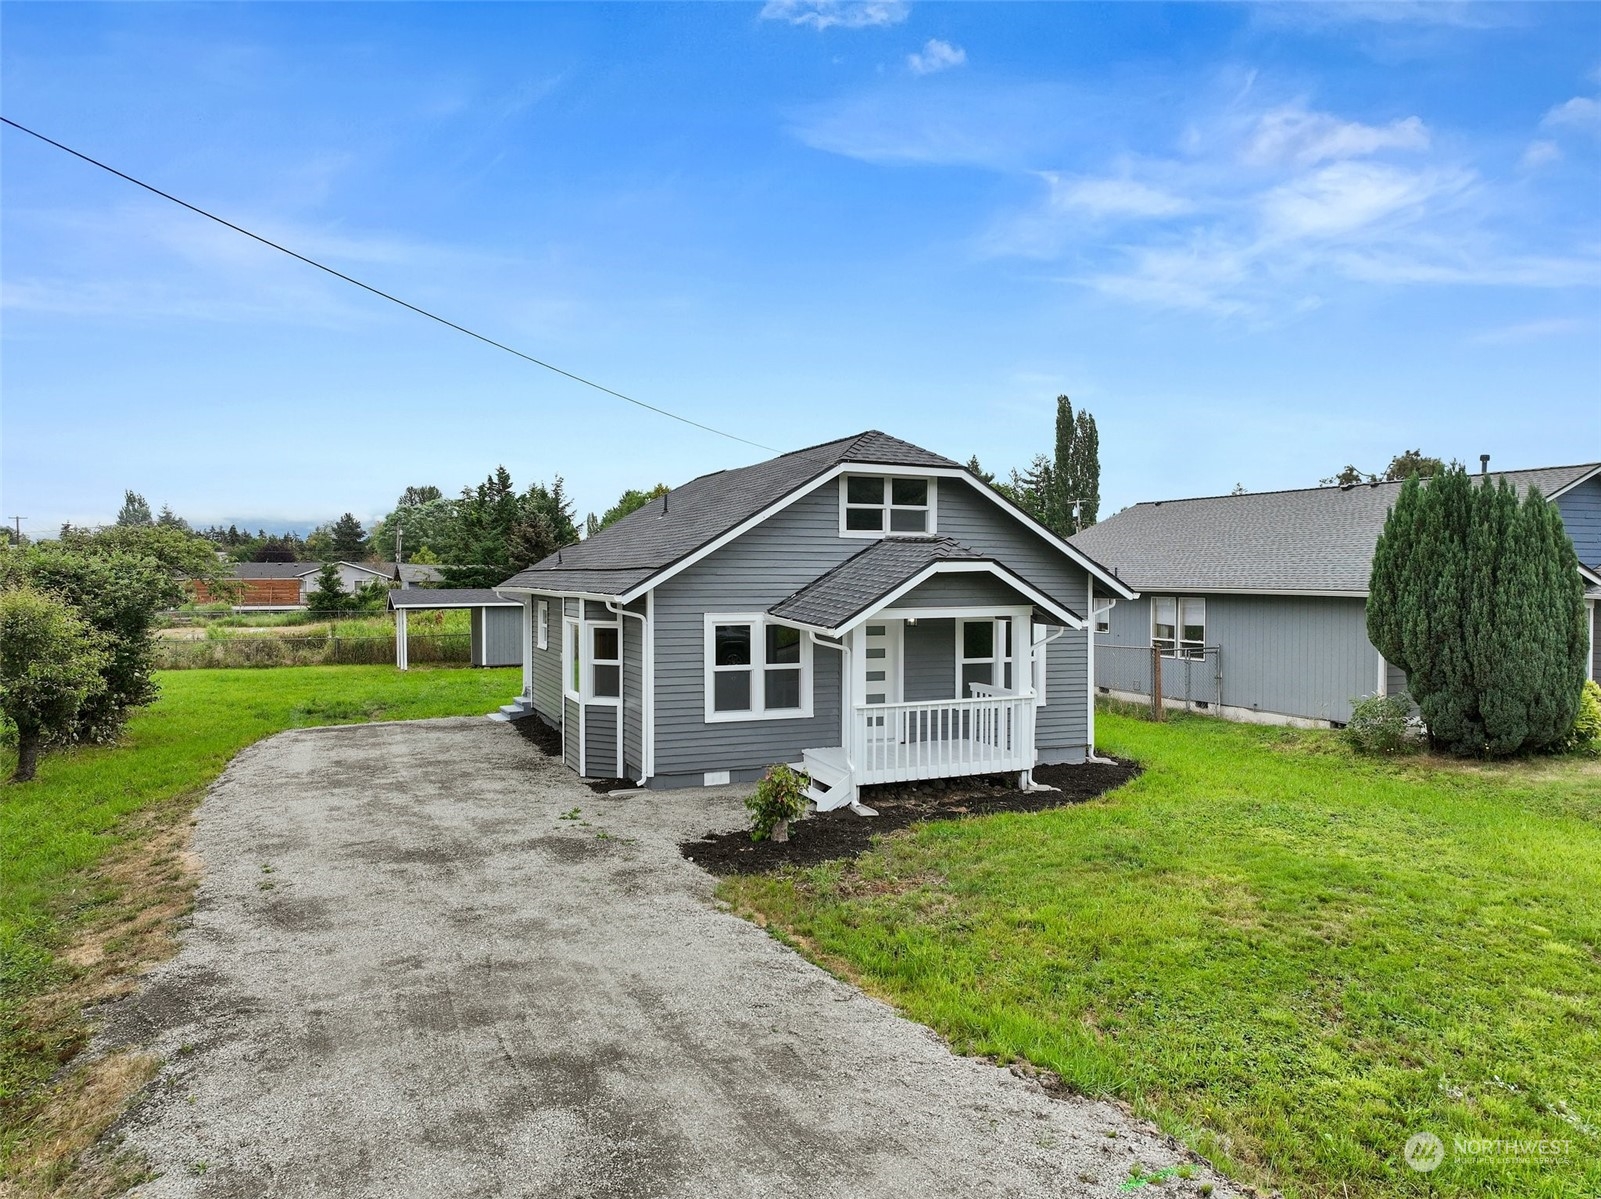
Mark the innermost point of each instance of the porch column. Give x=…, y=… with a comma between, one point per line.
x=528, y=646
x=402, y=650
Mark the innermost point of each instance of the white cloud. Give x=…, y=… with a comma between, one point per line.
x=1346, y=196
x=1114, y=197
x=1294, y=135
x=1539, y=153
x=1581, y=112
x=845, y=14
x=936, y=56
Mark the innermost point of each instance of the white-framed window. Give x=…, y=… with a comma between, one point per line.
x=984, y=654
x=1103, y=621
x=756, y=669
x=543, y=623
x=1178, y=625
x=592, y=652
x=873, y=505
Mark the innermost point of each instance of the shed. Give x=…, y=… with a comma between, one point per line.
x=497, y=623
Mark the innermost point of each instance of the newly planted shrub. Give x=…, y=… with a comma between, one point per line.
x=779, y=798
x=1380, y=724
x=1585, y=738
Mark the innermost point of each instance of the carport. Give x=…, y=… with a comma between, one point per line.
x=497, y=622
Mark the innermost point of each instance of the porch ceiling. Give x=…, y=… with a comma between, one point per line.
x=866, y=582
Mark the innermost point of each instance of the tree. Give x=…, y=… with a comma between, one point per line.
x=168, y=519
x=628, y=503
x=274, y=549
x=347, y=539
x=329, y=597
x=425, y=556
x=51, y=662
x=135, y=512
x=979, y=472
x=413, y=496
x=1478, y=598
x=1070, y=499
x=1412, y=462
x=1239, y=489
x=1086, y=480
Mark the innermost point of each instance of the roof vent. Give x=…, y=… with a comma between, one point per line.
x=1484, y=464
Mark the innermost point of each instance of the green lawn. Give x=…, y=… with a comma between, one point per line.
x=58, y=832
x=1292, y=958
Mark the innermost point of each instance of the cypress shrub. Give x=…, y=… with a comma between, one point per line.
x=1478, y=598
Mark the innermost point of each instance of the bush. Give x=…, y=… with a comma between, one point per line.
x=779, y=798
x=1381, y=724
x=1585, y=737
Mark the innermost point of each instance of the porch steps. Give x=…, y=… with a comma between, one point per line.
x=832, y=785
x=516, y=710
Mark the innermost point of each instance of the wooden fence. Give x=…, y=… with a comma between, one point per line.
x=322, y=650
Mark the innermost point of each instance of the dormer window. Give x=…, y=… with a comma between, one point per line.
x=873, y=505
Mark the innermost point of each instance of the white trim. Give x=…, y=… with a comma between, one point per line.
x=647, y=682
x=888, y=505
x=806, y=488
x=542, y=610
x=998, y=658
x=402, y=645
x=1090, y=632
x=1178, y=638
x=757, y=669
x=528, y=647
x=714, y=778
x=394, y=607
x=878, y=607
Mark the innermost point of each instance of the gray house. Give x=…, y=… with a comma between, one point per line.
x=865, y=608
x=1256, y=603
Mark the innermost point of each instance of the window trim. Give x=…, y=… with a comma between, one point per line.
x=542, y=624
x=1183, y=648
x=758, y=622
x=582, y=629
x=888, y=506
x=998, y=659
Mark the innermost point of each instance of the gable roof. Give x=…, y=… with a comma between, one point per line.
x=275, y=570
x=1316, y=541
x=867, y=581
x=669, y=528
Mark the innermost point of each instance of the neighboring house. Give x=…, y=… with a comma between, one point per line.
x=864, y=607
x=286, y=585
x=1258, y=602
x=415, y=574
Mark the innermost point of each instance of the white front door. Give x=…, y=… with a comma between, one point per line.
x=878, y=678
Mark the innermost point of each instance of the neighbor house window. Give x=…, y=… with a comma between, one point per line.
x=594, y=668
x=1178, y=626
x=872, y=505
x=984, y=654
x=756, y=669
x=544, y=624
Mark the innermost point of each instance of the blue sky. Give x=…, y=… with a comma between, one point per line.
x=1257, y=242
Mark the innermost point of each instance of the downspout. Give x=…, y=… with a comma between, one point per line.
x=646, y=716
x=1037, y=653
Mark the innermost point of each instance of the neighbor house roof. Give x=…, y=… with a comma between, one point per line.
x=275, y=570
x=623, y=555
x=414, y=572
x=1317, y=540
x=450, y=597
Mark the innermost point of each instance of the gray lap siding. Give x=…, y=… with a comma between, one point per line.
x=1581, y=516
x=791, y=549
x=547, y=662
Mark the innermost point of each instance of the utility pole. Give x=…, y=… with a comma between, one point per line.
x=17, y=521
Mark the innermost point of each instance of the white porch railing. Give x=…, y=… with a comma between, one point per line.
x=893, y=743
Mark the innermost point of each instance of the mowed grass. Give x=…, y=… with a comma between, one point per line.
x=90, y=807
x=1293, y=958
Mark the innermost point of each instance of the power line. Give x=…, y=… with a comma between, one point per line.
x=449, y=324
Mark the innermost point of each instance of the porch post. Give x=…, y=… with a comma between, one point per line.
x=402, y=650
x=528, y=646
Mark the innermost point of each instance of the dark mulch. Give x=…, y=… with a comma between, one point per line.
x=830, y=836
x=601, y=786
x=533, y=728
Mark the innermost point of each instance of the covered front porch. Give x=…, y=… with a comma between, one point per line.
x=943, y=666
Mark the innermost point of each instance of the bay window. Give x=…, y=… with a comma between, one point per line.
x=756, y=669
x=592, y=652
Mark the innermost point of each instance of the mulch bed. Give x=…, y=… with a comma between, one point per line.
x=547, y=739
x=830, y=836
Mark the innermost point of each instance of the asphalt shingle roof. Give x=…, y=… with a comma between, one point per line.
x=447, y=597
x=835, y=596
x=275, y=570
x=627, y=553
x=1317, y=539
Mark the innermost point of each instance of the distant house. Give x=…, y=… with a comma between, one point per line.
x=865, y=608
x=272, y=586
x=1257, y=603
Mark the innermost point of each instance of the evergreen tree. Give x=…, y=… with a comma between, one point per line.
x=979, y=472
x=135, y=512
x=627, y=504
x=1061, y=496
x=1086, y=469
x=347, y=539
x=329, y=597
x=168, y=519
x=1478, y=598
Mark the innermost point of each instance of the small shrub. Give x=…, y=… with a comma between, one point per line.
x=1380, y=724
x=779, y=798
x=1585, y=736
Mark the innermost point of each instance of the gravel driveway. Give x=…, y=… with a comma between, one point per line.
x=412, y=971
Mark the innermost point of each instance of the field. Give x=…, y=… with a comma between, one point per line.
x=95, y=871
x=1291, y=958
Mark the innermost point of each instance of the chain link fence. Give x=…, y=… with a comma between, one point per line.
x=1194, y=682
x=325, y=650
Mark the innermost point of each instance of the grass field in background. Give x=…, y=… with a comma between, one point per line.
x=1293, y=958
x=93, y=808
